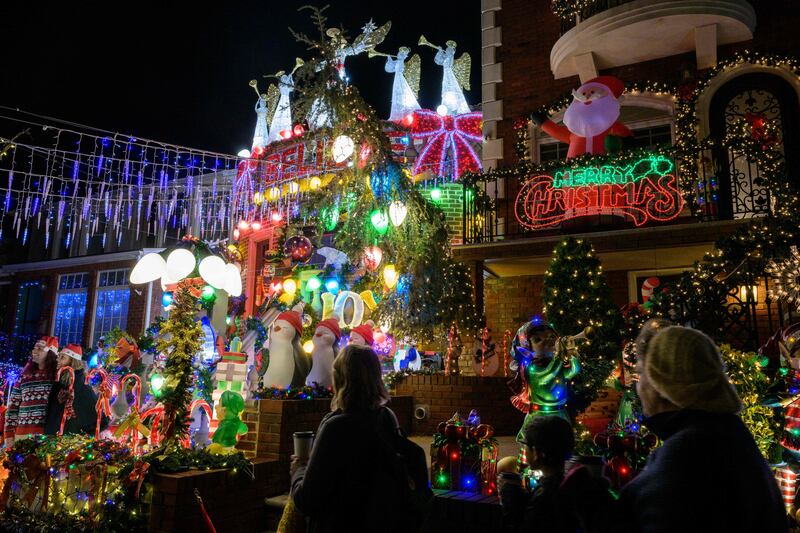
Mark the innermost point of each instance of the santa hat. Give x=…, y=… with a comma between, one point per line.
x=49, y=343
x=365, y=330
x=614, y=84
x=332, y=325
x=294, y=319
x=74, y=351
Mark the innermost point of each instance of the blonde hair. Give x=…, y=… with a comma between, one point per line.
x=357, y=383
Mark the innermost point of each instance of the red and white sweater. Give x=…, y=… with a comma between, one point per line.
x=27, y=405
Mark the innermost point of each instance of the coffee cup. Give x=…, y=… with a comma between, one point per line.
x=302, y=444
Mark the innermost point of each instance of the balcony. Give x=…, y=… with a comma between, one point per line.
x=613, y=33
x=627, y=191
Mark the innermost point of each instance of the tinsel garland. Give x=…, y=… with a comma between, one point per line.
x=180, y=339
x=569, y=9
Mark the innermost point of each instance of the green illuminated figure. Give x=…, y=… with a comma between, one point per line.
x=542, y=381
x=230, y=425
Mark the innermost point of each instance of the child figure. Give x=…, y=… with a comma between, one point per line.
x=561, y=501
x=542, y=377
x=230, y=425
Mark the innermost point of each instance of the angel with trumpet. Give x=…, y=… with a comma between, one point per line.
x=406, y=81
x=455, y=77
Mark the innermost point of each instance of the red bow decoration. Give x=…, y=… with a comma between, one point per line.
x=448, y=137
x=138, y=475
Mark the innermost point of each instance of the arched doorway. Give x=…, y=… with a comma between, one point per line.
x=750, y=104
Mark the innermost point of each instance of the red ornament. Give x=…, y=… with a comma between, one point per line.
x=372, y=257
x=447, y=135
x=299, y=248
x=363, y=155
x=285, y=134
x=298, y=130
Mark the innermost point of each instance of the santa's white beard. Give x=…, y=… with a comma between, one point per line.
x=593, y=119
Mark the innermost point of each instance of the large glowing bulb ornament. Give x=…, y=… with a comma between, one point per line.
x=294, y=187
x=180, y=263
x=212, y=270
x=314, y=183
x=258, y=198
x=343, y=147
x=397, y=212
x=379, y=221
x=233, y=285
x=436, y=195
x=156, y=384
x=372, y=257
x=441, y=109
x=274, y=193
x=313, y=283
x=149, y=268
x=308, y=346
x=390, y=276
x=290, y=286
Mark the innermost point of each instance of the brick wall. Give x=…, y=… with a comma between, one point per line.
x=451, y=204
x=530, y=29
x=233, y=502
x=445, y=395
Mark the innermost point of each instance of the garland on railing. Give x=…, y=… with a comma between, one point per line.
x=569, y=9
x=390, y=379
x=298, y=393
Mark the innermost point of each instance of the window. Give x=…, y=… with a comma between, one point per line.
x=111, y=310
x=29, y=308
x=70, y=308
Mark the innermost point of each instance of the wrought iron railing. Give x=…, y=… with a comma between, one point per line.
x=715, y=183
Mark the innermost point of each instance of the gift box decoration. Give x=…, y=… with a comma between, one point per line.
x=464, y=457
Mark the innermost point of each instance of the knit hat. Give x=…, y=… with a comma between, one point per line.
x=332, y=325
x=685, y=367
x=365, y=330
x=74, y=351
x=615, y=85
x=49, y=343
x=294, y=319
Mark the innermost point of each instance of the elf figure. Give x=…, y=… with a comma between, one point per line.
x=362, y=335
x=591, y=122
x=288, y=363
x=326, y=337
x=542, y=379
x=230, y=425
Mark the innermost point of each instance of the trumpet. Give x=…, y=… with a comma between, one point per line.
x=374, y=53
x=254, y=85
x=425, y=42
x=297, y=64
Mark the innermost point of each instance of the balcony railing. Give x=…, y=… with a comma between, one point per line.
x=614, y=192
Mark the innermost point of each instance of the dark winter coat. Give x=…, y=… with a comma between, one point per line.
x=707, y=476
x=343, y=487
x=84, y=403
x=578, y=501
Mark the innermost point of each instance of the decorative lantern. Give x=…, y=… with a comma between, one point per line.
x=397, y=212
x=379, y=221
x=390, y=276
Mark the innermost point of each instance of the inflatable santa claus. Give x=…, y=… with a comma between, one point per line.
x=591, y=122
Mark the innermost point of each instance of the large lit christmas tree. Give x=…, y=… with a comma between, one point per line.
x=575, y=296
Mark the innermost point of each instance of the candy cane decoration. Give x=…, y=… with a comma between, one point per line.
x=136, y=390
x=187, y=443
x=484, y=336
x=506, y=362
x=449, y=351
x=68, y=410
x=157, y=413
x=103, y=405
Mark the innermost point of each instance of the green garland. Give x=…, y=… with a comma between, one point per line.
x=570, y=9
x=313, y=392
x=390, y=379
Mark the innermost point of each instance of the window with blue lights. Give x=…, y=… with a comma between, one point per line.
x=70, y=308
x=29, y=308
x=113, y=295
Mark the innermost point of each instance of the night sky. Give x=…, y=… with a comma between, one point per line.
x=178, y=72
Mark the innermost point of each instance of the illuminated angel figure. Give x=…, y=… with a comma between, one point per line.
x=371, y=36
x=406, y=82
x=455, y=77
x=261, y=134
x=282, y=110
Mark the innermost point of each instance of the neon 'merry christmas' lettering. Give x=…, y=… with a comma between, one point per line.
x=644, y=191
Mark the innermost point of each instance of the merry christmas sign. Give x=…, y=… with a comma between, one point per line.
x=641, y=191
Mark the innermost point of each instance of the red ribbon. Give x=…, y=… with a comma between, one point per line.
x=445, y=134
x=138, y=475
x=69, y=412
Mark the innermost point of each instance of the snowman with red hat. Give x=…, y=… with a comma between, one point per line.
x=591, y=122
x=326, y=336
x=288, y=363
